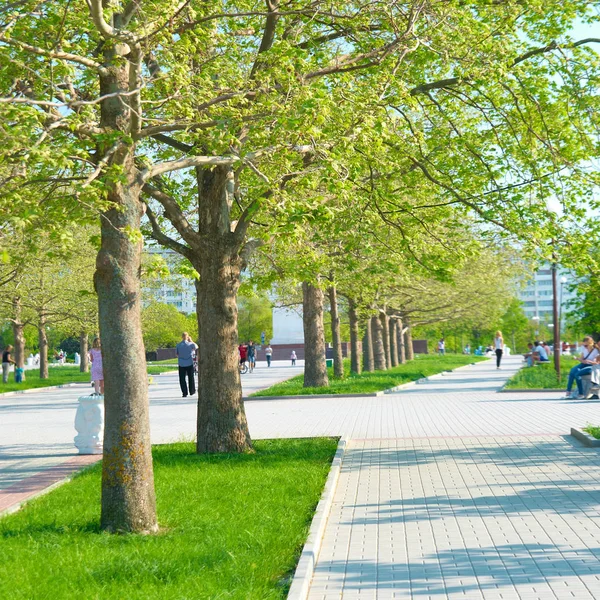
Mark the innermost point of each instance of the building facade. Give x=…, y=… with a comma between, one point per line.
x=537, y=295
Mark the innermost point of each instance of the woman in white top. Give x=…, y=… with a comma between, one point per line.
x=587, y=359
x=499, y=347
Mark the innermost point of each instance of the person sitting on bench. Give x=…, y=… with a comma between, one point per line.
x=587, y=359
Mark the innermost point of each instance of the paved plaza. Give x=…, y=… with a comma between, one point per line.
x=448, y=489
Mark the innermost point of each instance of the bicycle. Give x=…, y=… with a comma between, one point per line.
x=243, y=368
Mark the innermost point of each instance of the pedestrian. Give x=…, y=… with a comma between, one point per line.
x=587, y=358
x=194, y=353
x=268, y=354
x=441, y=347
x=185, y=352
x=95, y=356
x=499, y=347
x=251, y=355
x=293, y=357
x=7, y=360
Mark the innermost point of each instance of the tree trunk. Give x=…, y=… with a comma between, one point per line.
x=338, y=365
x=385, y=335
x=128, y=500
x=369, y=359
x=83, y=350
x=355, y=364
x=400, y=342
x=18, y=334
x=315, y=368
x=393, y=340
x=221, y=423
x=408, y=345
x=378, y=347
x=43, y=344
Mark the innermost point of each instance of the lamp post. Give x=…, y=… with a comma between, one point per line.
x=563, y=280
x=556, y=320
x=537, y=325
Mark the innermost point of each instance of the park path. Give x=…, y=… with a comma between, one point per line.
x=511, y=511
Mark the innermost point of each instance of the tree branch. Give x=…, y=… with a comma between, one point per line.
x=164, y=239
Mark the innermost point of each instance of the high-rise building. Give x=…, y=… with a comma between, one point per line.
x=177, y=290
x=537, y=294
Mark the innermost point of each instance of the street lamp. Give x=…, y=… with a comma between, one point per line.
x=563, y=280
x=537, y=324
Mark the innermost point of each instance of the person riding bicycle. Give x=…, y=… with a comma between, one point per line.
x=243, y=350
x=251, y=355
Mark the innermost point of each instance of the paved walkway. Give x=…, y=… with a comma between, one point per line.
x=448, y=489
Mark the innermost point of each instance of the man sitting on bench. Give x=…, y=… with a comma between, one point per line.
x=537, y=353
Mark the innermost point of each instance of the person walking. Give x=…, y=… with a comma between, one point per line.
x=7, y=360
x=441, y=347
x=97, y=373
x=293, y=357
x=185, y=352
x=498, y=347
x=268, y=354
x=251, y=355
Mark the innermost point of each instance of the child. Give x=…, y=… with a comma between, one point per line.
x=95, y=355
x=293, y=357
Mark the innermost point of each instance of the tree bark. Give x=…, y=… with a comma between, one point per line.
x=393, y=342
x=222, y=425
x=355, y=363
x=43, y=344
x=128, y=500
x=400, y=342
x=83, y=350
x=385, y=335
x=315, y=367
x=18, y=334
x=408, y=345
x=378, y=347
x=338, y=364
x=368, y=357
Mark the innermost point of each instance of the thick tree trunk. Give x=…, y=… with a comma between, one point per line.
x=221, y=424
x=385, y=334
x=43, y=344
x=393, y=340
x=128, y=500
x=378, y=347
x=408, y=345
x=338, y=365
x=368, y=357
x=400, y=342
x=355, y=364
x=18, y=334
x=83, y=350
x=315, y=368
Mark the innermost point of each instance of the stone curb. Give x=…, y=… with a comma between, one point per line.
x=43, y=389
x=585, y=438
x=521, y=390
x=310, y=553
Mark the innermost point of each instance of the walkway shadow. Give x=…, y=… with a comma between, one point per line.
x=464, y=570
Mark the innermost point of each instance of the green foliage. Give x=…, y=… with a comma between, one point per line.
x=231, y=524
x=366, y=383
x=163, y=324
x=254, y=317
x=542, y=376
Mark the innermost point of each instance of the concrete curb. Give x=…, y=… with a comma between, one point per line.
x=585, y=438
x=521, y=390
x=43, y=389
x=310, y=553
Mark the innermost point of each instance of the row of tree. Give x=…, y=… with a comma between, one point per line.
x=364, y=146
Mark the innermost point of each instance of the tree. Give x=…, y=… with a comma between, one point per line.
x=162, y=325
x=514, y=322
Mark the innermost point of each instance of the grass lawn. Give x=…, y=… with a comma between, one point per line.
x=59, y=376
x=232, y=526
x=593, y=431
x=542, y=376
x=365, y=383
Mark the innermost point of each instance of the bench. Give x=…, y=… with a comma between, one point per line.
x=589, y=387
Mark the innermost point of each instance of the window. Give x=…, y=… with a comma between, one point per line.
x=530, y=303
x=544, y=272
x=545, y=303
x=544, y=282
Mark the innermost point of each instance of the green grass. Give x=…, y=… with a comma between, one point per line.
x=365, y=383
x=168, y=361
x=593, y=431
x=60, y=376
x=232, y=527
x=542, y=376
